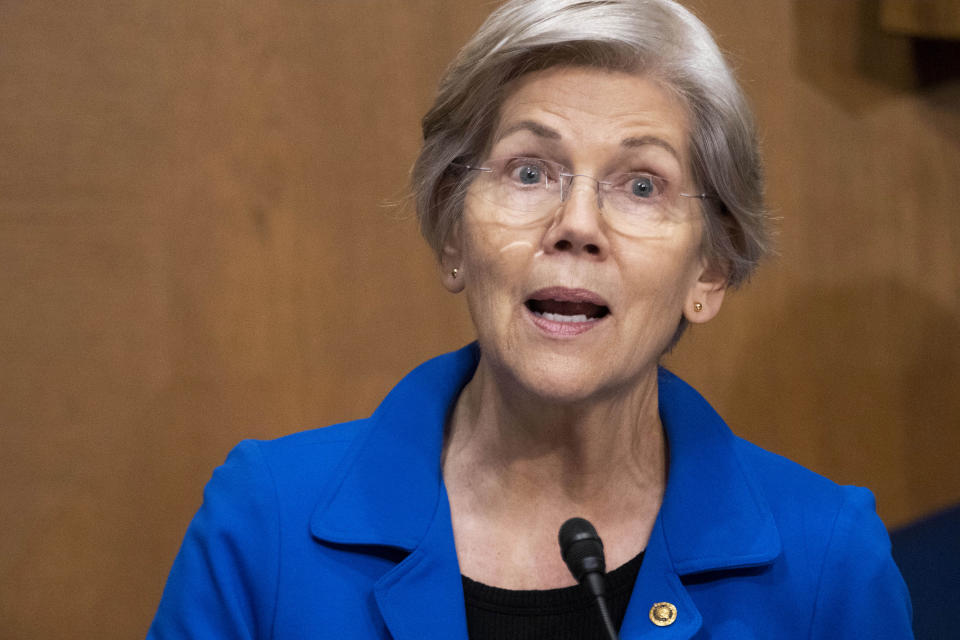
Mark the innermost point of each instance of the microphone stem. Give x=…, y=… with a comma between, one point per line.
x=607, y=622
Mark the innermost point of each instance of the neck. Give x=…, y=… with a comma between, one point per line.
x=512, y=443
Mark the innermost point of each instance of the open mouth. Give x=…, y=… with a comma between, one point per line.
x=566, y=310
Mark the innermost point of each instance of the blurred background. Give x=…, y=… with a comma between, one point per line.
x=198, y=245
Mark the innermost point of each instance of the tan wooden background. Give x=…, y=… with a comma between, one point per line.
x=194, y=249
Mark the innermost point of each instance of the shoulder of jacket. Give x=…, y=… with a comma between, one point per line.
x=316, y=441
x=301, y=463
x=783, y=477
x=803, y=502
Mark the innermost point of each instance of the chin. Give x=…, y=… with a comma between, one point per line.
x=556, y=377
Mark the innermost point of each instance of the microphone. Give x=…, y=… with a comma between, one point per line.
x=582, y=551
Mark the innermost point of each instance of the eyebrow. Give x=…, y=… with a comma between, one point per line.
x=633, y=143
x=543, y=131
x=535, y=128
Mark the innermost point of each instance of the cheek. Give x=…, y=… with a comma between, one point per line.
x=660, y=271
x=497, y=262
x=493, y=248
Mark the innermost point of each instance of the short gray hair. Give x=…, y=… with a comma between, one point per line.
x=658, y=38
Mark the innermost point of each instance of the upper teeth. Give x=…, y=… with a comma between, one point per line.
x=556, y=317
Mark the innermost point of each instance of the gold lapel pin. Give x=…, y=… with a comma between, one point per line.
x=663, y=614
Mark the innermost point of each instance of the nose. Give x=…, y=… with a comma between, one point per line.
x=578, y=227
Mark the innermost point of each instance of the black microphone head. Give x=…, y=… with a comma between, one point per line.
x=581, y=548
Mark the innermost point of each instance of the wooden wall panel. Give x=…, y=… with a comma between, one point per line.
x=194, y=250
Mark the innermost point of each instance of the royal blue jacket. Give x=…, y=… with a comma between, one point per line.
x=344, y=532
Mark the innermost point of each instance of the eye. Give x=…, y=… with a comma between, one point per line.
x=527, y=173
x=643, y=186
x=524, y=171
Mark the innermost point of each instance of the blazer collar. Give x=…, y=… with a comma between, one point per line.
x=714, y=515
x=387, y=488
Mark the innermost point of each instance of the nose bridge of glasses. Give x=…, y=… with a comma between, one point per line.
x=566, y=186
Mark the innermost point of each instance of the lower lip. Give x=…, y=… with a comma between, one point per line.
x=562, y=329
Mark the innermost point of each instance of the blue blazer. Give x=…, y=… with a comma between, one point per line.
x=344, y=532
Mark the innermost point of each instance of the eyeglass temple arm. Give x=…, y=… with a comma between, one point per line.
x=470, y=167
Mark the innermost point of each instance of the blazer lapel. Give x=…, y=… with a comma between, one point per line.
x=422, y=597
x=658, y=583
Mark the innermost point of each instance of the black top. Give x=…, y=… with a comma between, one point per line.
x=570, y=613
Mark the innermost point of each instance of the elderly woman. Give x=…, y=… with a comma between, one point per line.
x=590, y=181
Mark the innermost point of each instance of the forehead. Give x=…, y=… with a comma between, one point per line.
x=589, y=108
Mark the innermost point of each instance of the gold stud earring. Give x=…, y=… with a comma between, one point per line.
x=697, y=307
x=453, y=274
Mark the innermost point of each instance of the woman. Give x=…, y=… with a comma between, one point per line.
x=590, y=181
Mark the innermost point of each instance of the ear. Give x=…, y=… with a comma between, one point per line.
x=706, y=294
x=451, y=262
